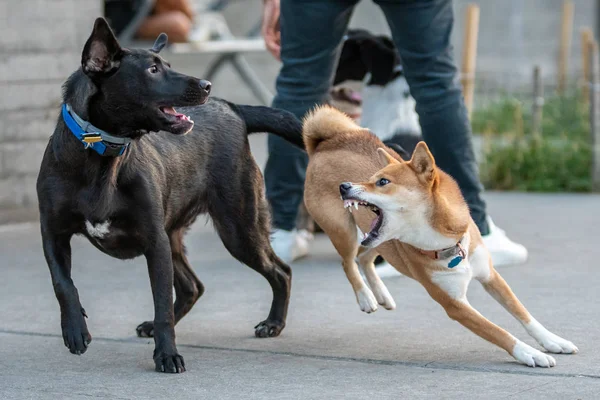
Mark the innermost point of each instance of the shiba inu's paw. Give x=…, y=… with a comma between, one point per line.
x=556, y=344
x=384, y=297
x=366, y=300
x=527, y=355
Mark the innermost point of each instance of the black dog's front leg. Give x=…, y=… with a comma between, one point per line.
x=160, y=269
x=57, y=250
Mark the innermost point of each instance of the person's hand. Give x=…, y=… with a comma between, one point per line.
x=270, y=27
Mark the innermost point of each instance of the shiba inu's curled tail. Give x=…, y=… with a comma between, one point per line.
x=324, y=123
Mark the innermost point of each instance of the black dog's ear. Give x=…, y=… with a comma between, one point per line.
x=160, y=43
x=381, y=57
x=102, y=52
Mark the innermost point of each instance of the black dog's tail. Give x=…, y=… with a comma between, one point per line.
x=265, y=119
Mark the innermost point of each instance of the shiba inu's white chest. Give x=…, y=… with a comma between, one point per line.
x=98, y=230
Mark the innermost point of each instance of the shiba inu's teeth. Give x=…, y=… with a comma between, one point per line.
x=356, y=205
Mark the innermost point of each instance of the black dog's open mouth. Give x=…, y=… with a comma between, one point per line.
x=174, y=115
x=376, y=224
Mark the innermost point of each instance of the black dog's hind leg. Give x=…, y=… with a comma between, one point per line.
x=188, y=287
x=160, y=269
x=243, y=223
x=57, y=251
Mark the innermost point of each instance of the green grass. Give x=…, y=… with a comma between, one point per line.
x=557, y=159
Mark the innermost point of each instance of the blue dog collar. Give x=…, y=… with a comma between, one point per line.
x=92, y=137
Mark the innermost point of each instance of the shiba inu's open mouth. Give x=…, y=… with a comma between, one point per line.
x=376, y=224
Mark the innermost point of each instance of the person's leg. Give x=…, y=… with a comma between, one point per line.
x=421, y=31
x=311, y=34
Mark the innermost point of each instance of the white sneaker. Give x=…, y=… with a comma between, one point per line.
x=503, y=250
x=385, y=270
x=291, y=245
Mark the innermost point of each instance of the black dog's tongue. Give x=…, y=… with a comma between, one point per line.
x=171, y=111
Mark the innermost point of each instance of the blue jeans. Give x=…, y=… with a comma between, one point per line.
x=311, y=38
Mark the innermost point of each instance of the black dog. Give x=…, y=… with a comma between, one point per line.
x=132, y=193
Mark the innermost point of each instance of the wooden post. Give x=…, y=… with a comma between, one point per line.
x=470, y=55
x=538, y=101
x=587, y=36
x=595, y=114
x=566, y=29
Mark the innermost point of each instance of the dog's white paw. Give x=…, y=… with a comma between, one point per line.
x=366, y=300
x=556, y=344
x=527, y=355
x=384, y=297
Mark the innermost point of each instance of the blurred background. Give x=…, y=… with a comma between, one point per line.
x=532, y=132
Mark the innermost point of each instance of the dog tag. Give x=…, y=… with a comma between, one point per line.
x=455, y=261
x=92, y=138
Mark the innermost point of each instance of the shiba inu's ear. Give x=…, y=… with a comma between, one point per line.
x=102, y=52
x=160, y=43
x=386, y=157
x=423, y=163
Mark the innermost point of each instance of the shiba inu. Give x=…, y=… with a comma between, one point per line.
x=414, y=215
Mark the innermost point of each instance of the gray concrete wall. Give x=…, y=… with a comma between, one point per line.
x=514, y=35
x=40, y=45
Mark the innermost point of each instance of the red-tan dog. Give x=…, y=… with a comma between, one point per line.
x=422, y=227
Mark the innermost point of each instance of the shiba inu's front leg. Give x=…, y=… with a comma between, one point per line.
x=364, y=296
x=499, y=289
x=451, y=296
x=366, y=260
x=347, y=247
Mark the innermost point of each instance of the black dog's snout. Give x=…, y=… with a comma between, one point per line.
x=345, y=187
x=206, y=85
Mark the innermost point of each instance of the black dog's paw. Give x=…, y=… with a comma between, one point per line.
x=268, y=328
x=145, y=329
x=76, y=335
x=169, y=362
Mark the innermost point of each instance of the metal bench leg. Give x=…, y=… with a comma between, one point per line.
x=251, y=80
x=216, y=65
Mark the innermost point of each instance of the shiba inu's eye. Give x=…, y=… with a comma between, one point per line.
x=382, y=182
x=153, y=69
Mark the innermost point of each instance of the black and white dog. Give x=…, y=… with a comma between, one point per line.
x=388, y=109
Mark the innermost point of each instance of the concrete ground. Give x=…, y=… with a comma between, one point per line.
x=329, y=349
